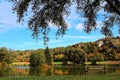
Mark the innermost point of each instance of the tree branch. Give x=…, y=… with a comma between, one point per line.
x=112, y=6
x=117, y=2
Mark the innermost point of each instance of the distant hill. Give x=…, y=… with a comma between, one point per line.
x=103, y=49
x=99, y=43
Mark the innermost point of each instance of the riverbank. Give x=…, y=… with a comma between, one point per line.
x=20, y=63
x=105, y=62
x=57, y=63
x=67, y=77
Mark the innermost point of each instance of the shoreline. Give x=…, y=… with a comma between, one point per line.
x=57, y=63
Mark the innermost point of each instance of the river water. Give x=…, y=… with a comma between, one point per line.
x=60, y=70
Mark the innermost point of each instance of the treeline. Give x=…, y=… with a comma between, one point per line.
x=101, y=50
x=8, y=55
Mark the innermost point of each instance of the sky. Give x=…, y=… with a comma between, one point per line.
x=18, y=37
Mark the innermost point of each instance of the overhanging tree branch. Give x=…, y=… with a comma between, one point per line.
x=112, y=6
x=53, y=11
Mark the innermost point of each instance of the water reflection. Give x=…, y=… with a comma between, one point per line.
x=13, y=72
x=59, y=70
x=70, y=70
x=40, y=71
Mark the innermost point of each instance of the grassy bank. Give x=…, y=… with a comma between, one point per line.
x=27, y=63
x=57, y=63
x=83, y=77
x=20, y=63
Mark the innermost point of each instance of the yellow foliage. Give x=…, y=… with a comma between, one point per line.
x=45, y=67
x=117, y=71
x=65, y=72
x=3, y=64
x=117, y=56
x=59, y=56
x=58, y=72
x=21, y=72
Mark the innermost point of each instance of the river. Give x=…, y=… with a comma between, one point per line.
x=60, y=70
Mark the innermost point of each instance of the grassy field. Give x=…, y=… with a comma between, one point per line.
x=67, y=77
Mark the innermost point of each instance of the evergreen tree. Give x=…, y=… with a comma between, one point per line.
x=48, y=56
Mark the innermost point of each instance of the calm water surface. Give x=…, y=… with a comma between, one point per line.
x=60, y=70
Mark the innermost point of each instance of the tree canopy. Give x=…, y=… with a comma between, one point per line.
x=47, y=12
x=37, y=58
x=5, y=55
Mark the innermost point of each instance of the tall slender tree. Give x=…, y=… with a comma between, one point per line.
x=48, y=56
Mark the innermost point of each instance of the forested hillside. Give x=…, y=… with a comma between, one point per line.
x=100, y=50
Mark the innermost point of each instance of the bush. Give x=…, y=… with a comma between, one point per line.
x=37, y=58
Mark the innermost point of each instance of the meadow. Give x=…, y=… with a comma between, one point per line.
x=66, y=77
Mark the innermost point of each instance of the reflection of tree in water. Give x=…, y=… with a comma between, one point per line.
x=112, y=69
x=5, y=71
x=60, y=72
x=20, y=72
x=84, y=70
x=9, y=71
x=40, y=71
x=70, y=70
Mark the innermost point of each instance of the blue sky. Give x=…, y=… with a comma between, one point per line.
x=18, y=37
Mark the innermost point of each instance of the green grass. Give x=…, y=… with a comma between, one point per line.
x=58, y=63
x=20, y=63
x=67, y=77
x=27, y=63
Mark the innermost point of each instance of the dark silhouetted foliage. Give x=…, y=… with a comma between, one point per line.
x=45, y=12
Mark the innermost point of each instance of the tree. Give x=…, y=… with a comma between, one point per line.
x=79, y=56
x=48, y=56
x=6, y=56
x=37, y=58
x=75, y=55
x=3, y=52
x=53, y=11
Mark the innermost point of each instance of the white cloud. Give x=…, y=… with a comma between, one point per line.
x=74, y=17
x=68, y=25
x=7, y=18
x=99, y=24
x=82, y=37
x=79, y=27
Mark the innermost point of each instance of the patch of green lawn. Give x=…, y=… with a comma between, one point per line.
x=67, y=77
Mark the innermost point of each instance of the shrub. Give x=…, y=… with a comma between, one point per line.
x=37, y=58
